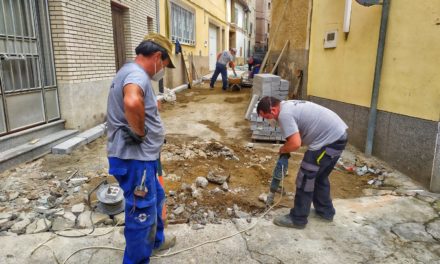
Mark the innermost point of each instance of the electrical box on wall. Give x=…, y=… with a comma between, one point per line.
x=330, y=39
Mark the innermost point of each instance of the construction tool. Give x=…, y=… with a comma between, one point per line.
x=279, y=172
x=141, y=190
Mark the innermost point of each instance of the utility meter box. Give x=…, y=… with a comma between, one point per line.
x=330, y=39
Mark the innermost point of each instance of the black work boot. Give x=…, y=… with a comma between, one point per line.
x=323, y=218
x=286, y=221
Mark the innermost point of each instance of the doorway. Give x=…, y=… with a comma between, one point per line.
x=212, y=47
x=118, y=35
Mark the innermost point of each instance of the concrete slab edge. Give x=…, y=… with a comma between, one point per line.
x=83, y=138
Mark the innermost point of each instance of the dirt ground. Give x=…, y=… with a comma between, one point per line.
x=199, y=114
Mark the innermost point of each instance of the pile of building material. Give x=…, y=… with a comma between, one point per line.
x=265, y=85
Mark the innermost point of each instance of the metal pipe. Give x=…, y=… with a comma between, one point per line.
x=377, y=77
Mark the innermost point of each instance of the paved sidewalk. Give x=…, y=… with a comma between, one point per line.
x=374, y=229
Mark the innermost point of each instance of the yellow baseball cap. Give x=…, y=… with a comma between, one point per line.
x=164, y=43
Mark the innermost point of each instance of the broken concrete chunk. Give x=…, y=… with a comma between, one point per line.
x=69, y=216
x=196, y=194
x=263, y=197
x=7, y=216
x=179, y=210
x=201, y=182
x=433, y=229
x=38, y=226
x=225, y=187
x=78, y=208
x=197, y=227
x=217, y=177
x=216, y=190
x=97, y=218
x=60, y=224
x=48, y=212
x=20, y=227
x=13, y=195
x=415, y=232
x=229, y=211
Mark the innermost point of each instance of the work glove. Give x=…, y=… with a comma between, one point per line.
x=130, y=137
x=270, y=199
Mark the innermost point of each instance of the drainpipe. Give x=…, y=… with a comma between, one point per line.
x=377, y=77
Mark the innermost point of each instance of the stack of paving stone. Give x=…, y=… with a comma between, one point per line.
x=265, y=85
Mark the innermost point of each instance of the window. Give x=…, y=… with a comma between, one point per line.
x=236, y=16
x=182, y=25
x=27, y=74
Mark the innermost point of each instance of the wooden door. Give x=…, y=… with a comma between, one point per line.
x=118, y=35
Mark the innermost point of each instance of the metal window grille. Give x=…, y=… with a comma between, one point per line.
x=28, y=91
x=182, y=25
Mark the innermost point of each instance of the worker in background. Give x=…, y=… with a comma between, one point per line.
x=223, y=59
x=324, y=132
x=135, y=137
x=254, y=65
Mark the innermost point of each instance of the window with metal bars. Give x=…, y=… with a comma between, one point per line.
x=182, y=25
x=28, y=92
x=25, y=45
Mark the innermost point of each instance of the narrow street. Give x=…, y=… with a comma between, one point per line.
x=206, y=133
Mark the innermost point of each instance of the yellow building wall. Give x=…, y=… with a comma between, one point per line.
x=206, y=11
x=410, y=82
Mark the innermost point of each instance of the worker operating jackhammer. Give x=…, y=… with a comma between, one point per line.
x=279, y=172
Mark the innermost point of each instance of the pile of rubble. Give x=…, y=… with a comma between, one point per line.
x=186, y=204
x=32, y=202
x=361, y=168
x=197, y=149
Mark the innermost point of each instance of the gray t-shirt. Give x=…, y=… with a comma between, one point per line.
x=225, y=57
x=317, y=125
x=116, y=147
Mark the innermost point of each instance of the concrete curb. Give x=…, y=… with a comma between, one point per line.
x=81, y=139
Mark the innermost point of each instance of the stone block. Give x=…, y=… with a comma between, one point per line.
x=69, y=145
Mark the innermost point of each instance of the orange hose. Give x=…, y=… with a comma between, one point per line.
x=164, y=208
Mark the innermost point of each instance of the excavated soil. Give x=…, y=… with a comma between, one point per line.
x=200, y=114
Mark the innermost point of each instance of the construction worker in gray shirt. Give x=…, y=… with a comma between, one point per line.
x=324, y=132
x=223, y=59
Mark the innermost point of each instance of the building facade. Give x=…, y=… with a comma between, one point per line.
x=58, y=58
x=201, y=29
x=290, y=27
x=341, y=75
x=263, y=20
x=239, y=32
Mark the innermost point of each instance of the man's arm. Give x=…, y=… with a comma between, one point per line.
x=293, y=143
x=218, y=56
x=232, y=65
x=134, y=108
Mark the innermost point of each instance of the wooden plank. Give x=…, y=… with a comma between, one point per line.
x=279, y=57
x=187, y=72
x=299, y=76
